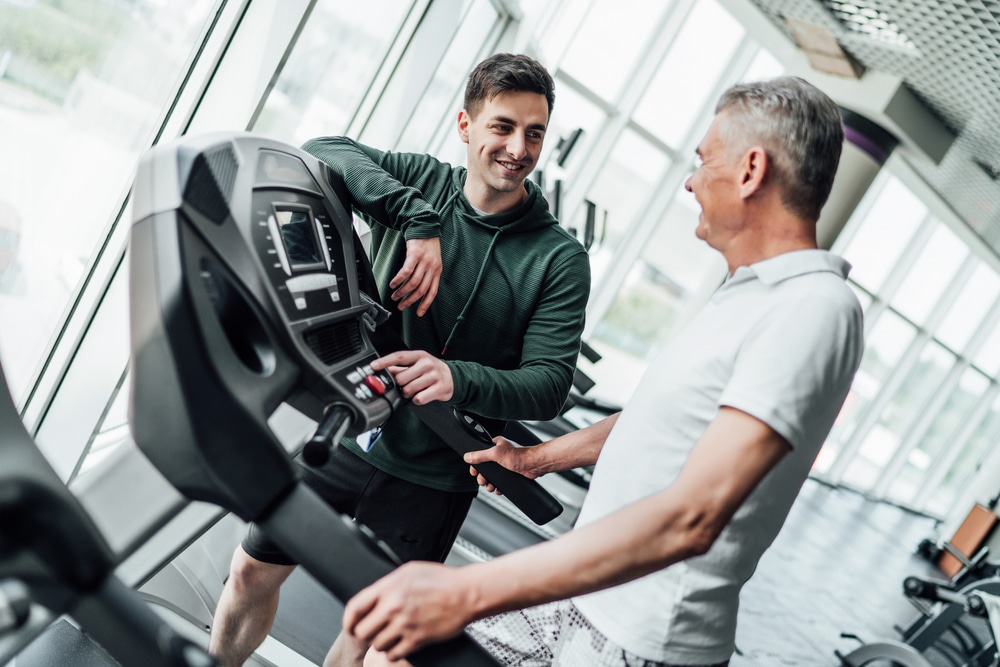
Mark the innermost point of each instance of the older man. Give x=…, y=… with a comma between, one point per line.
x=694, y=478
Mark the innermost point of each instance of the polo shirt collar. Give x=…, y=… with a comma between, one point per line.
x=787, y=265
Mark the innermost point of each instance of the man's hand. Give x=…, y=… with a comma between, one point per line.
x=421, y=376
x=413, y=605
x=418, y=279
x=504, y=452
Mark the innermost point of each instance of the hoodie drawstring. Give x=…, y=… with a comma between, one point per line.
x=475, y=289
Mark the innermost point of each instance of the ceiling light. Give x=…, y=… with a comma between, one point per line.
x=862, y=18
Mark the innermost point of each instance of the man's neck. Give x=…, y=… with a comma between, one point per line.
x=773, y=236
x=491, y=201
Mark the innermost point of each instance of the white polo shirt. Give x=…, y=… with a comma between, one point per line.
x=780, y=340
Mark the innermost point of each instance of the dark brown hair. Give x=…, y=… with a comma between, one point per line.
x=507, y=73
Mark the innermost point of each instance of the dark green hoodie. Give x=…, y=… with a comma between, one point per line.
x=510, y=308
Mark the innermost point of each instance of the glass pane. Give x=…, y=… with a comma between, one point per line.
x=622, y=188
x=113, y=431
x=764, y=66
x=608, y=43
x=954, y=412
x=889, y=338
x=966, y=313
x=443, y=98
x=688, y=74
x=572, y=111
x=987, y=359
x=967, y=463
x=930, y=274
x=553, y=36
x=330, y=69
x=881, y=442
x=882, y=234
x=673, y=276
x=83, y=86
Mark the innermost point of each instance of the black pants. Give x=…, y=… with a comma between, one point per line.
x=416, y=522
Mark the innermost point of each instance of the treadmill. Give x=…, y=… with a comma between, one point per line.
x=250, y=294
x=54, y=562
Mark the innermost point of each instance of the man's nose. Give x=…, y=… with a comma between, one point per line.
x=517, y=145
x=687, y=184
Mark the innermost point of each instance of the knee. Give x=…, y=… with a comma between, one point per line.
x=375, y=658
x=249, y=575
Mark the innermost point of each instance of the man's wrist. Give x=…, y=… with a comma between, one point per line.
x=479, y=595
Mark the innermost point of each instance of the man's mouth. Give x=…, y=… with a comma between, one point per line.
x=510, y=166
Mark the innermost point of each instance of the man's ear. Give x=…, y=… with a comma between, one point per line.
x=463, y=125
x=752, y=170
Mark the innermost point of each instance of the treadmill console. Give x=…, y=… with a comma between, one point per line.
x=245, y=294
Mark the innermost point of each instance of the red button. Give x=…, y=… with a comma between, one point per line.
x=375, y=384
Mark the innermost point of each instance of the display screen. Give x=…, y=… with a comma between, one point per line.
x=298, y=235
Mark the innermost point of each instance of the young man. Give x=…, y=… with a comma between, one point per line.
x=696, y=475
x=500, y=340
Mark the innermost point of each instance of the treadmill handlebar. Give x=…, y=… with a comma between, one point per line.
x=329, y=433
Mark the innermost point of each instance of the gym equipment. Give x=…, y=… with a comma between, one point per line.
x=245, y=296
x=941, y=628
x=53, y=560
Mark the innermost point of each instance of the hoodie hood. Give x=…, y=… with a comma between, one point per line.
x=531, y=215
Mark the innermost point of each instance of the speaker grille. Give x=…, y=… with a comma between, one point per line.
x=210, y=185
x=335, y=342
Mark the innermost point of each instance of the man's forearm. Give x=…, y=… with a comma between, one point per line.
x=635, y=541
x=573, y=450
x=681, y=521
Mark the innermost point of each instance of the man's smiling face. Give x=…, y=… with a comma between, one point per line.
x=505, y=139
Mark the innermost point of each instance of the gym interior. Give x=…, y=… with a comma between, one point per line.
x=893, y=531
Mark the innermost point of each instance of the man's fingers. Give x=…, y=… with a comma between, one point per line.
x=358, y=609
x=478, y=456
x=412, y=291
x=429, y=297
x=386, y=639
x=409, y=264
x=422, y=288
x=401, y=649
x=395, y=361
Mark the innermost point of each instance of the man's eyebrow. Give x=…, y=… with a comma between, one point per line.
x=508, y=121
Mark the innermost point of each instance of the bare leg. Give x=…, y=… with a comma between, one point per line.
x=347, y=651
x=377, y=659
x=246, y=608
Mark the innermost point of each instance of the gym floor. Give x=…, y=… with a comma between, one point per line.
x=837, y=566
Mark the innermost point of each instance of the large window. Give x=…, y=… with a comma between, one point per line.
x=643, y=98
x=83, y=89
x=330, y=69
x=922, y=409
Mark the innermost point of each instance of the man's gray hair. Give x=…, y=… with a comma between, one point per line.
x=798, y=126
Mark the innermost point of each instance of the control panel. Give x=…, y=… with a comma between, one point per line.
x=251, y=243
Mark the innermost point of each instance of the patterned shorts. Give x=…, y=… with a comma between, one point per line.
x=552, y=635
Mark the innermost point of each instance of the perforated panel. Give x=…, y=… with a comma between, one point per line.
x=950, y=60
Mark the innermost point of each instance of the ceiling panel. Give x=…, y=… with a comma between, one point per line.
x=947, y=52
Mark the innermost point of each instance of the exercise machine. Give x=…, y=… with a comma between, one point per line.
x=54, y=562
x=943, y=628
x=247, y=296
